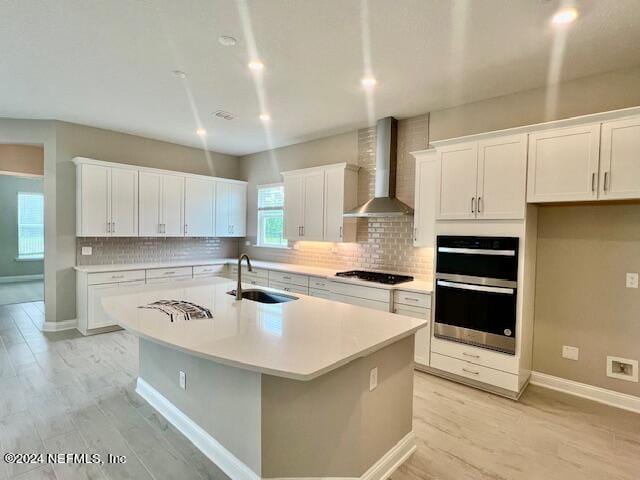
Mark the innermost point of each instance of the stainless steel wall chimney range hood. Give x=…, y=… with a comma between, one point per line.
x=384, y=203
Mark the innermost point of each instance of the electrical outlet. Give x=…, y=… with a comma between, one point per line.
x=183, y=380
x=87, y=251
x=622, y=368
x=571, y=353
x=632, y=280
x=373, y=379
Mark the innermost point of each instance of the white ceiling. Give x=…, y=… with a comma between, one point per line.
x=109, y=63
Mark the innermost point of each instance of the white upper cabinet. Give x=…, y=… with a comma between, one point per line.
x=172, y=208
x=563, y=164
x=107, y=201
x=124, y=202
x=458, y=165
x=340, y=195
x=199, y=207
x=502, y=178
x=161, y=205
x=424, y=216
x=315, y=200
x=231, y=209
x=313, y=207
x=150, y=185
x=620, y=160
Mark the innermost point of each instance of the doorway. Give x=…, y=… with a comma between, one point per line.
x=21, y=224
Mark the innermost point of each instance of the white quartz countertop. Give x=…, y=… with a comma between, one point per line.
x=302, y=339
x=418, y=286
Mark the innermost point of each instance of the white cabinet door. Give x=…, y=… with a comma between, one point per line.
x=199, y=207
x=424, y=217
x=457, y=174
x=502, y=177
x=620, y=159
x=293, y=206
x=313, y=223
x=334, y=204
x=422, y=336
x=149, y=188
x=237, y=209
x=223, y=227
x=94, y=197
x=96, y=316
x=172, y=198
x=563, y=164
x=124, y=202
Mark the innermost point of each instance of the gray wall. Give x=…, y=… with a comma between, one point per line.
x=77, y=140
x=10, y=186
x=584, y=253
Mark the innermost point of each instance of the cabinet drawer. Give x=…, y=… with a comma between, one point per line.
x=209, y=269
x=256, y=272
x=411, y=311
x=361, y=302
x=475, y=355
x=115, y=277
x=360, y=291
x=319, y=283
x=168, y=280
x=257, y=282
x=478, y=373
x=293, y=278
x=289, y=287
x=326, y=294
x=411, y=298
x=170, y=272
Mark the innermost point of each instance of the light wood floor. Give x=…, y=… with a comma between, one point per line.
x=66, y=393
x=21, y=292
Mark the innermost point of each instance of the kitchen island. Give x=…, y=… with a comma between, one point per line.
x=306, y=388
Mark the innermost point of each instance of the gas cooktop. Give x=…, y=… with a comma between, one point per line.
x=378, y=277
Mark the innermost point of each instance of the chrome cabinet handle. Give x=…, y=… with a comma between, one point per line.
x=473, y=204
x=606, y=184
x=415, y=234
x=286, y=278
x=411, y=299
x=470, y=371
x=108, y=227
x=169, y=273
x=593, y=182
x=115, y=277
x=340, y=231
x=479, y=204
x=470, y=355
x=186, y=228
x=113, y=227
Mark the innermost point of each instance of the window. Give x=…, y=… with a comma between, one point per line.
x=271, y=216
x=30, y=225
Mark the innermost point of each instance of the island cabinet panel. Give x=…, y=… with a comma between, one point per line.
x=620, y=160
x=563, y=164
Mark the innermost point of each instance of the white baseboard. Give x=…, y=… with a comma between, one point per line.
x=235, y=468
x=21, y=278
x=597, y=394
x=208, y=445
x=59, y=326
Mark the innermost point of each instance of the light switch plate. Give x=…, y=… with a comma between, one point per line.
x=87, y=251
x=373, y=379
x=183, y=380
x=571, y=353
x=632, y=280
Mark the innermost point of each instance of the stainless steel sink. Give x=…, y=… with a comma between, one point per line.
x=263, y=296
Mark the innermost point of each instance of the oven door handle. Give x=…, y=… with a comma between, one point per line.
x=477, y=251
x=475, y=288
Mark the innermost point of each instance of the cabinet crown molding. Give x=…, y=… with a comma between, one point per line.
x=125, y=166
x=537, y=127
x=302, y=171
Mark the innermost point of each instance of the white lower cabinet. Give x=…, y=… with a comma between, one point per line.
x=326, y=294
x=489, y=376
x=289, y=287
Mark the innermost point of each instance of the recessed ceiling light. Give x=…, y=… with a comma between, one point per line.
x=201, y=131
x=179, y=74
x=256, y=65
x=227, y=41
x=368, y=82
x=564, y=16
x=265, y=117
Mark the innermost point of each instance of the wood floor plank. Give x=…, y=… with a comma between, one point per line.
x=72, y=443
x=18, y=434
